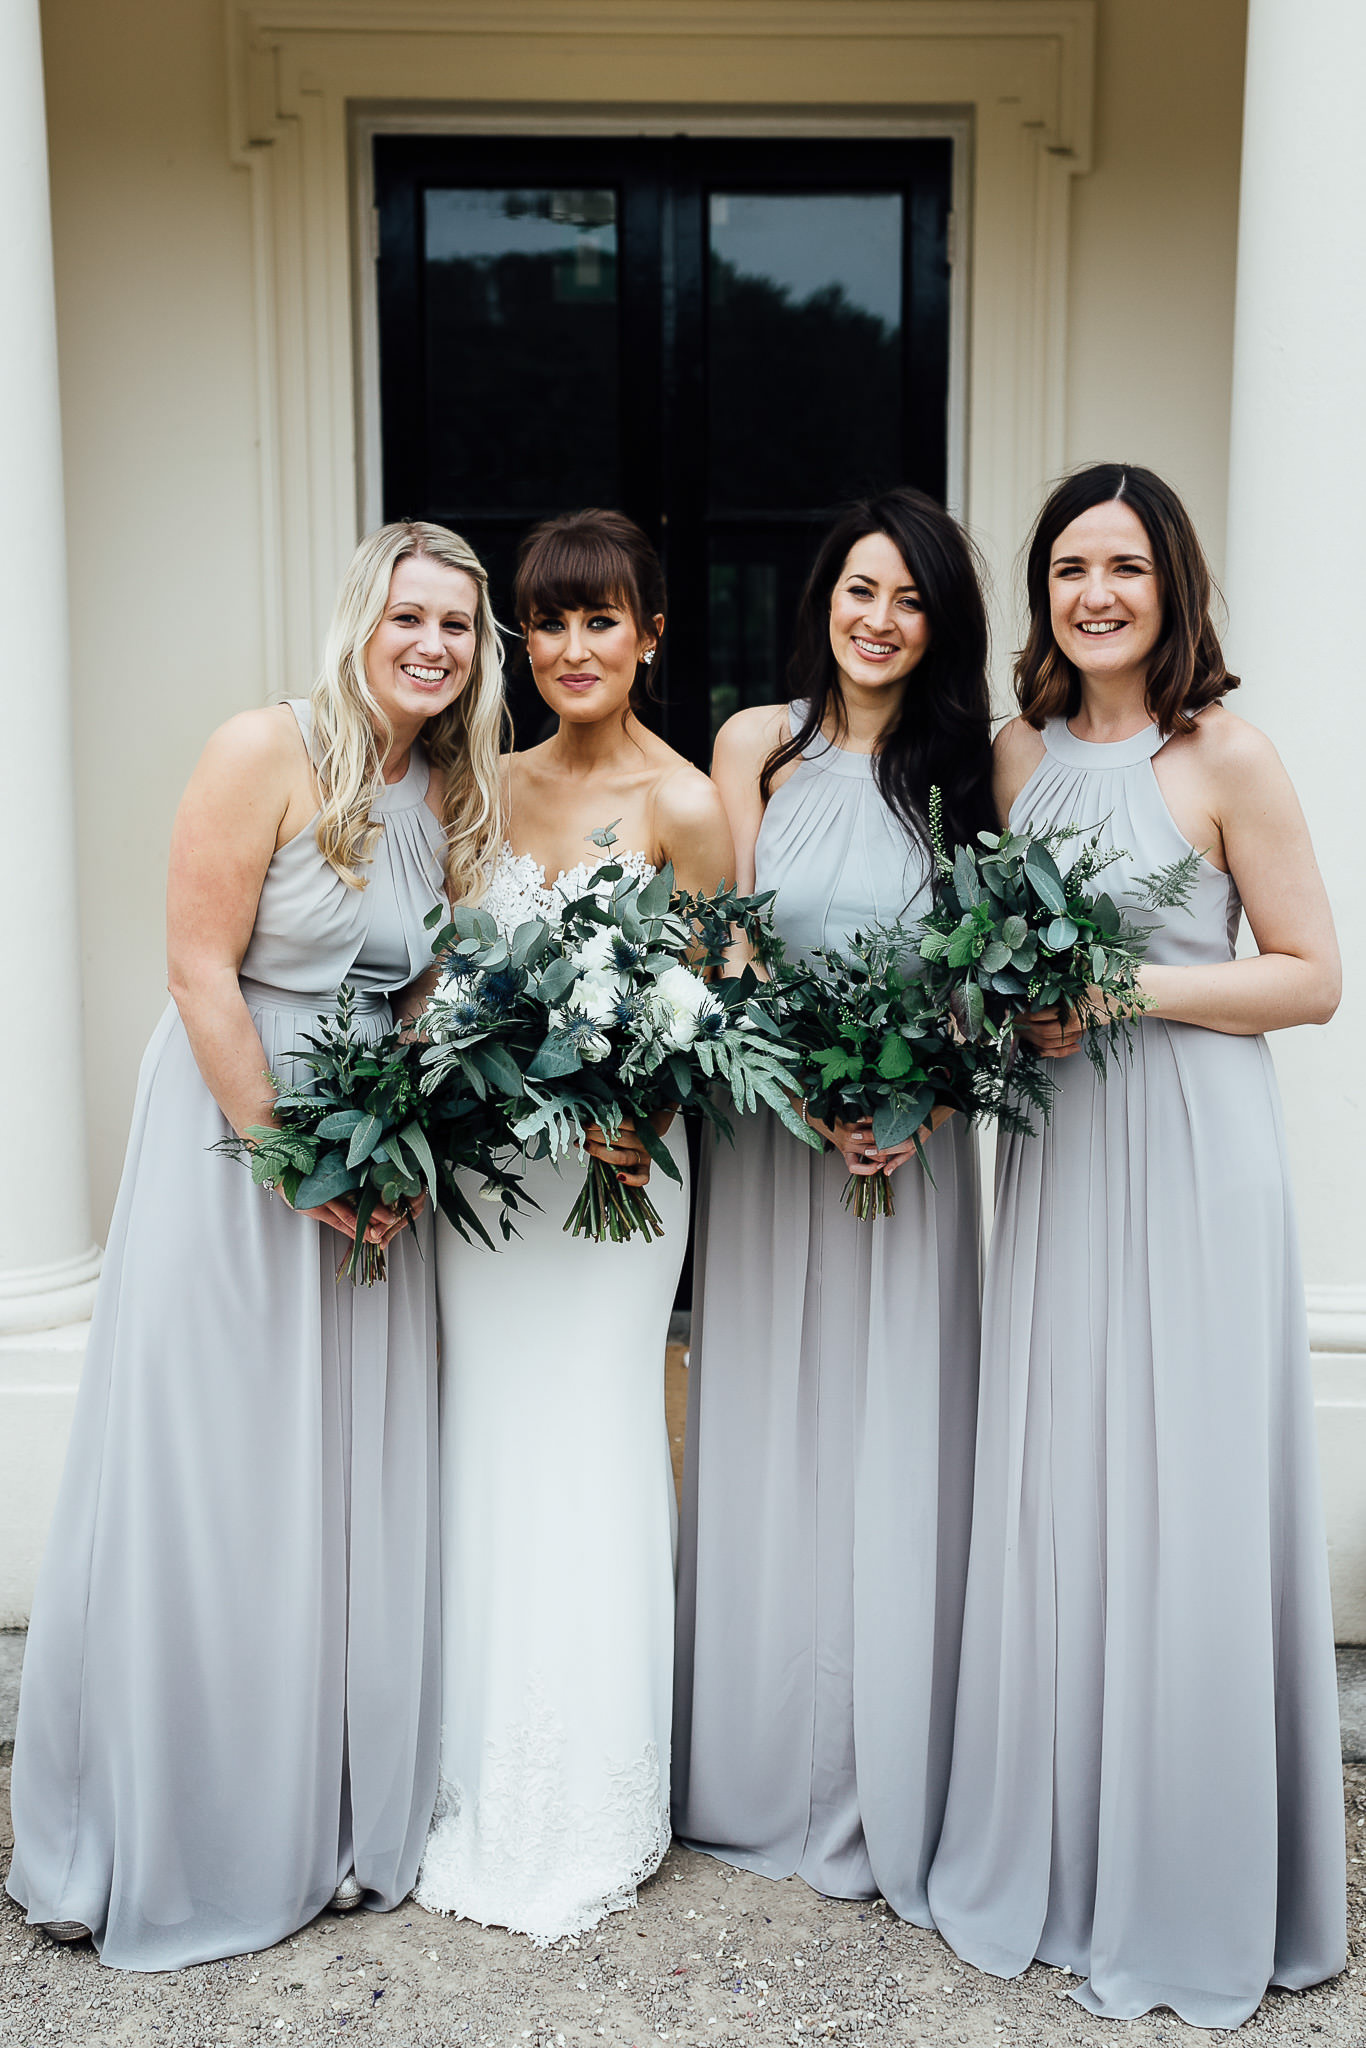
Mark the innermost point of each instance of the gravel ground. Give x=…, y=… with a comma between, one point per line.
x=709, y=1956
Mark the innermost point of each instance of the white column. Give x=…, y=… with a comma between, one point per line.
x=1296, y=569
x=48, y=1263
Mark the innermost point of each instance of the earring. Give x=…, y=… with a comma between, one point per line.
x=648, y=656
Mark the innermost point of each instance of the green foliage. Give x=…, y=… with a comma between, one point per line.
x=1015, y=928
x=565, y=1027
x=360, y=1128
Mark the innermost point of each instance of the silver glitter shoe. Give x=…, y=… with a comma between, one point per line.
x=348, y=1894
x=64, y=1930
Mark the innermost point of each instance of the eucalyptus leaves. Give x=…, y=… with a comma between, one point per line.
x=362, y=1129
x=874, y=1043
x=602, y=1017
x=1013, y=929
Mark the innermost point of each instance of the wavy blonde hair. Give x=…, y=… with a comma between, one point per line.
x=351, y=735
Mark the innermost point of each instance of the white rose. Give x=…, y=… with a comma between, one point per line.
x=595, y=996
x=595, y=954
x=686, y=999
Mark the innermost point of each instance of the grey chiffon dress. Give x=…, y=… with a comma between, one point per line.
x=1146, y=1784
x=231, y=1686
x=831, y=1412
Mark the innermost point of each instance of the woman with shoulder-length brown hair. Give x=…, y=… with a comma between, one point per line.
x=229, y=1716
x=1146, y=1786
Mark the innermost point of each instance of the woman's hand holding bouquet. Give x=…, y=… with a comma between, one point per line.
x=596, y=1030
x=1019, y=939
x=359, y=1139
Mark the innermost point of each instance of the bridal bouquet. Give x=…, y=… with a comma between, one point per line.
x=602, y=1017
x=873, y=1042
x=1017, y=926
x=361, y=1127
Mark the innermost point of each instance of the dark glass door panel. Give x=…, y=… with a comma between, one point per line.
x=509, y=418
x=803, y=347
x=724, y=338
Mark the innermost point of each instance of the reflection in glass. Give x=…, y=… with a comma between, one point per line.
x=521, y=334
x=804, y=347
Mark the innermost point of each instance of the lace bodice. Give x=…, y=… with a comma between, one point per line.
x=519, y=890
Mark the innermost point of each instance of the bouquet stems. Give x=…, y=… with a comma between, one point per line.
x=367, y=1264
x=609, y=1211
x=869, y=1194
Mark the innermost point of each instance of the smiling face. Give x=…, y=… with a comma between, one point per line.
x=1104, y=601
x=878, y=627
x=419, y=657
x=584, y=660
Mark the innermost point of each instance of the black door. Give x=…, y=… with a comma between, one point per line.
x=723, y=338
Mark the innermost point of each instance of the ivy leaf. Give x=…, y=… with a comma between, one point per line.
x=837, y=1063
x=896, y=1059
x=964, y=946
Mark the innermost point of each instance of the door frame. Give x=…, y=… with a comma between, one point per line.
x=781, y=125
x=1022, y=72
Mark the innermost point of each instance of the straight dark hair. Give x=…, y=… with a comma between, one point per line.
x=583, y=559
x=1186, y=670
x=943, y=733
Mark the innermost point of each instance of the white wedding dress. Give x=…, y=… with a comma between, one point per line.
x=557, y=1537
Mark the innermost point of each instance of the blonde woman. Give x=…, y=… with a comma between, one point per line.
x=230, y=1715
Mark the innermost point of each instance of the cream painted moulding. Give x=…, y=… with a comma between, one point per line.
x=1021, y=71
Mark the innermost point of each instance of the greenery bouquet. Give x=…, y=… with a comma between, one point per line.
x=605, y=1016
x=874, y=1042
x=1018, y=925
x=362, y=1127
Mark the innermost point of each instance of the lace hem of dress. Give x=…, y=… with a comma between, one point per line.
x=518, y=890
x=517, y=1851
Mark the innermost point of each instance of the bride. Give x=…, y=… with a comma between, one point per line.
x=557, y=1502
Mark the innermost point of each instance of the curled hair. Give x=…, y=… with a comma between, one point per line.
x=1186, y=669
x=351, y=735
x=942, y=735
x=583, y=559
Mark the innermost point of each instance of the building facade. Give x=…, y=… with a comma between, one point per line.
x=1153, y=248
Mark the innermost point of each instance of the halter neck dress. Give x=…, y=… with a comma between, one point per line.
x=230, y=1685
x=1146, y=1780
x=831, y=1410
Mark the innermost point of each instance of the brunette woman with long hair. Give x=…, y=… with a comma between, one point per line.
x=832, y=1391
x=1146, y=1786
x=557, y=1490
x=229, y=1717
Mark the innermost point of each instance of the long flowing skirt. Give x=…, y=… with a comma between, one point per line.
x=557, y=1566
x=1146, y=1777
x=827, y=1499
x=230, y=1683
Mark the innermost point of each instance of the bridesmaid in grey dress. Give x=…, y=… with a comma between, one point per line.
x=230, y=1706
x=1146, y=1784
x=833, y=1382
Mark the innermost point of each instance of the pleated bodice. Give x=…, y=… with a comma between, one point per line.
x=313, y=932
x=1111, y=787
x=837, y=857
